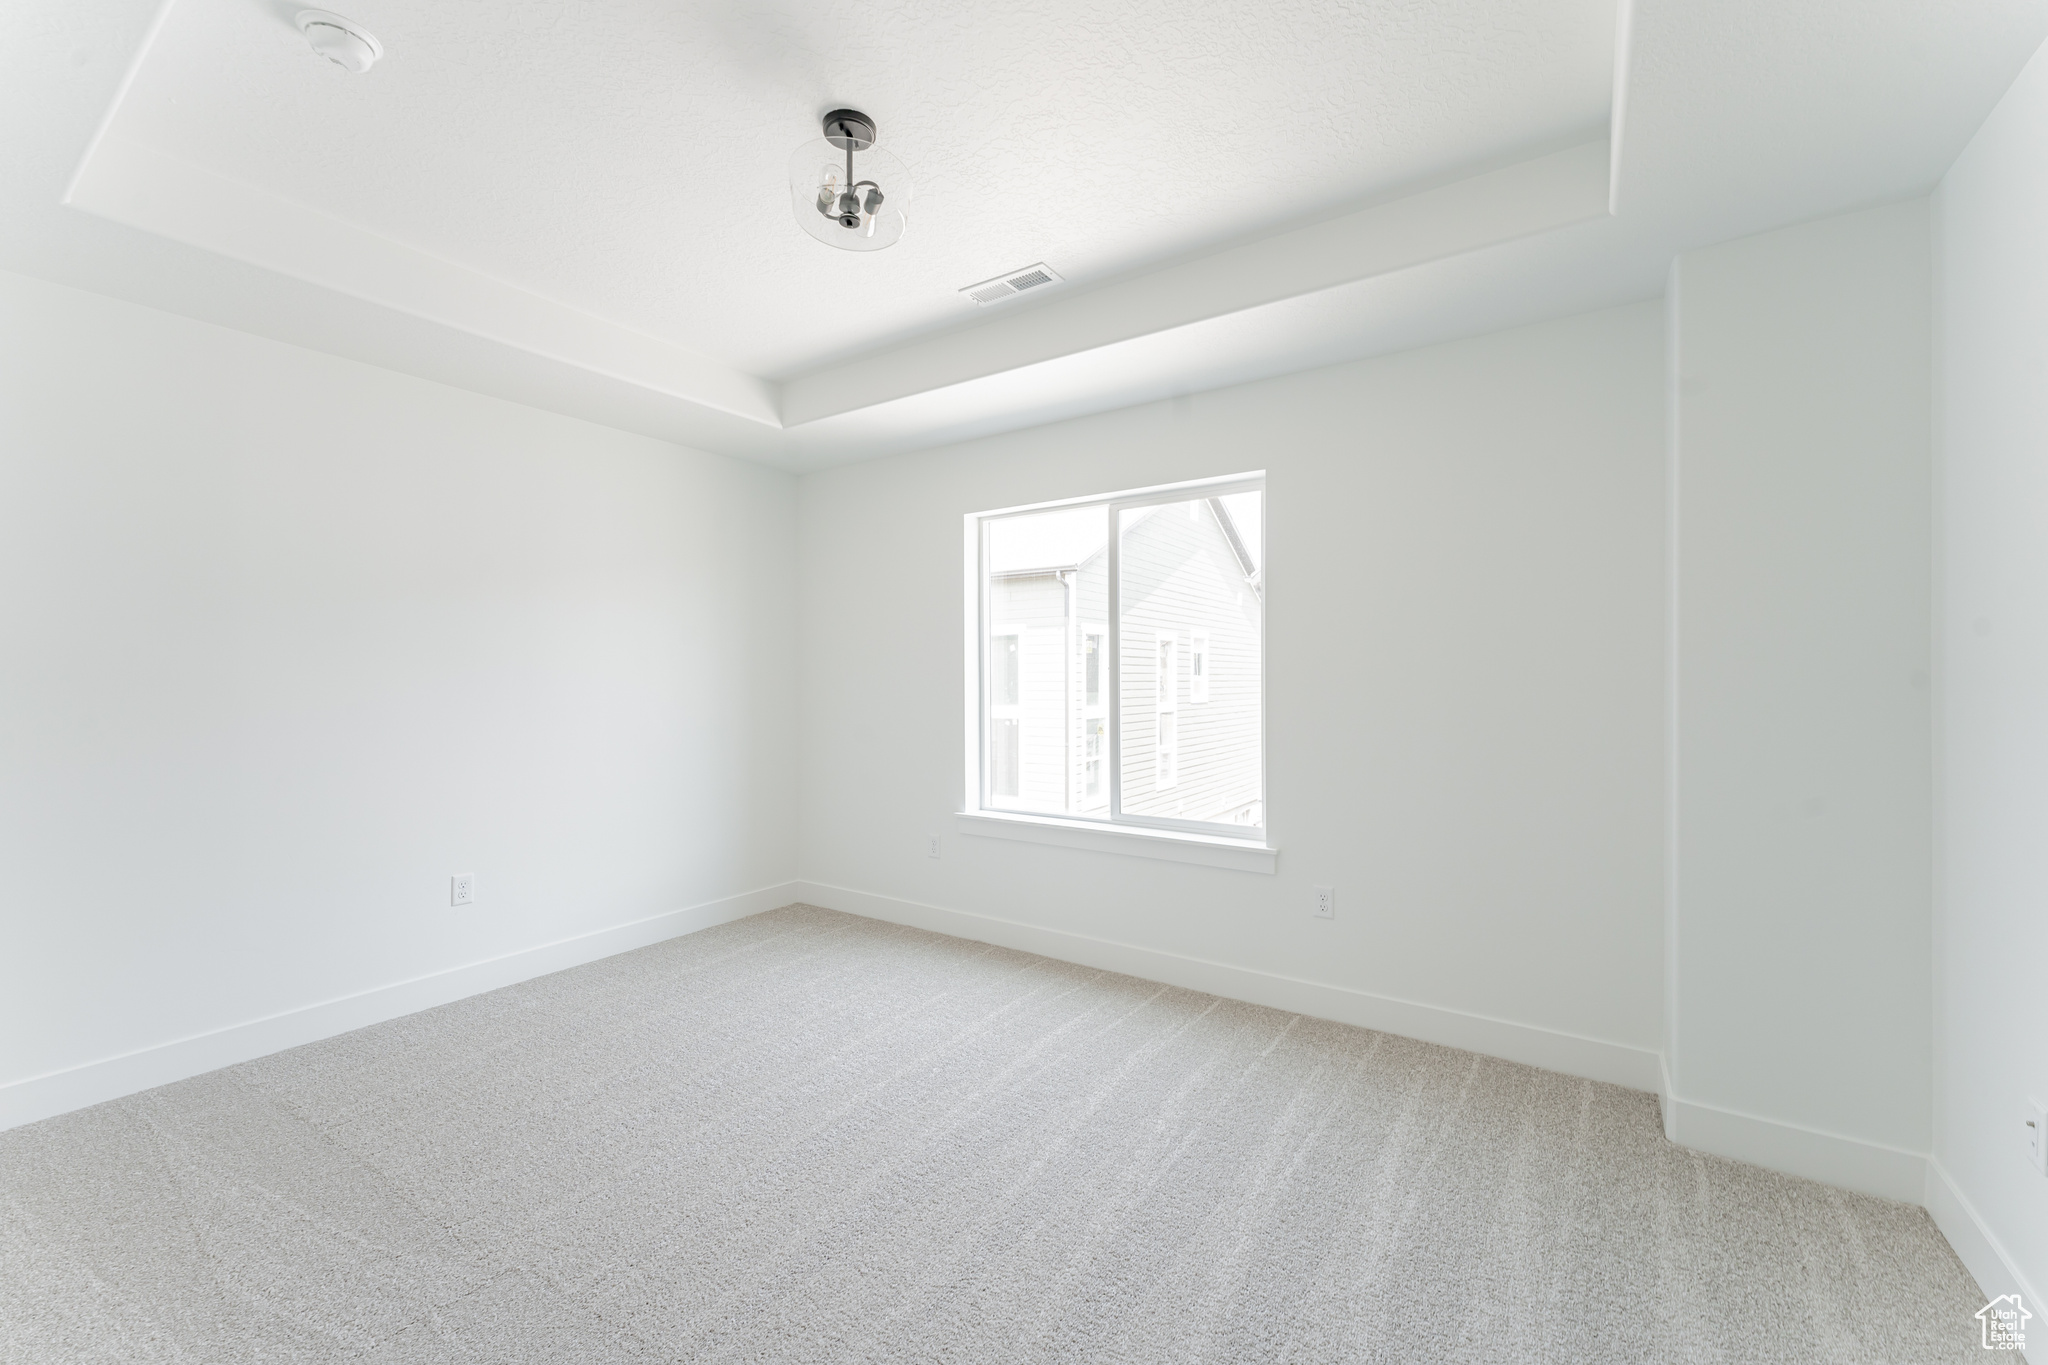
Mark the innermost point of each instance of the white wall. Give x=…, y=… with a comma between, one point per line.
x=1803, y=761
x=286, y=640
x=1465, y=671
x=1991, y=938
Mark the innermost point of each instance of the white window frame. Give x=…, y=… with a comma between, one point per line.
x=1222, y=841
x=1198, y=668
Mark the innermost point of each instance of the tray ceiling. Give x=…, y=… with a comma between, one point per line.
x=582, y=206
x=628, y=159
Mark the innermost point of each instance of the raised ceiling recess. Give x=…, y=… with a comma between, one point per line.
x=574, y=206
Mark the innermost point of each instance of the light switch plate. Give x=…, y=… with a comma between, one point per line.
x=462, y=888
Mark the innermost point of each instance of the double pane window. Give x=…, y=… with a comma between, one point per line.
x=1121, y=658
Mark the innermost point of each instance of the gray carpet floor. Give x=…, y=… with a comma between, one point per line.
x=806, y=1137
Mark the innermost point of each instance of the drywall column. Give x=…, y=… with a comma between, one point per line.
x=1991, y=937
x=1799, y=913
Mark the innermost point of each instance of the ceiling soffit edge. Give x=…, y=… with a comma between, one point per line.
x=142, y=188
x=168, y=197
x=1480, y=211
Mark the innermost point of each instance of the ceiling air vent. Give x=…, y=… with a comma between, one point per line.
x=1012, y=284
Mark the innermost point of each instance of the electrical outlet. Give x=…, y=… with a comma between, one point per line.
x=932, y=847
x=1326, y=902
x=462, y=888
x=2035, y=1115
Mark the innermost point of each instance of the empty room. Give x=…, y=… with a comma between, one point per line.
x=821, y=681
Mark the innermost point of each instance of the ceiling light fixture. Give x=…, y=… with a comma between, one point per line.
x=342, y=41
x=864, y=214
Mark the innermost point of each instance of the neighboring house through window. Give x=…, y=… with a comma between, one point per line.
x=1094, y=717
x=1121, y=658
x=1166, y=713
x=1005, y=712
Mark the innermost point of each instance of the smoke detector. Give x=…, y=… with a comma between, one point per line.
x=342, y=41
x=1011, y=283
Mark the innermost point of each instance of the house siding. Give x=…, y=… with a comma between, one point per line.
x=1034, y=608
x=1179, y=577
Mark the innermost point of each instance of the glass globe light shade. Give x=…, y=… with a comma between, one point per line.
x=869, y=218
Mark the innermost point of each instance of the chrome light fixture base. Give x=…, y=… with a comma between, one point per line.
x=850, y=129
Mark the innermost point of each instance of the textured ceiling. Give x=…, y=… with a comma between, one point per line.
x=628, y=158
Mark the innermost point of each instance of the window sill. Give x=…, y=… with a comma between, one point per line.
x=1240, y=855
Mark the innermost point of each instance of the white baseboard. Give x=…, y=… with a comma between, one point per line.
x=1826, y=1157
x=1979, y=1249
x=1666, y=1101
x=1830, y=1158
x=59, y=1092
x=1591, y=1058
x=1846, y=1162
